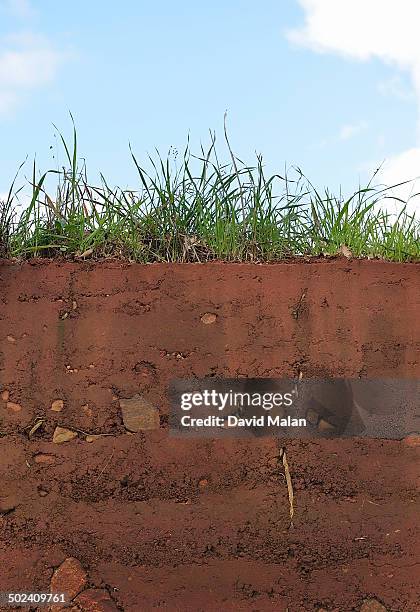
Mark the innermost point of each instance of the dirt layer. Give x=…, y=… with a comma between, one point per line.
x=200, y=525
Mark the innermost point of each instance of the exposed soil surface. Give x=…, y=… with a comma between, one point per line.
x=147, y=521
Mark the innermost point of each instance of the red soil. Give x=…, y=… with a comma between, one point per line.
x=202, y=525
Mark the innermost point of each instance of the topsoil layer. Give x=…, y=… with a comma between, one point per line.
x=202, y=525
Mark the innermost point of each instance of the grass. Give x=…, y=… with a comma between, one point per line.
x=199, y=210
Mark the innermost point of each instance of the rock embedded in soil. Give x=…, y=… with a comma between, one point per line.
x=13, y=407
x=61, y=434
x=325, y=426
x=44, y=459
x=5, y=395
x=372, y=605
x=8, y=504
x=93, y=437
x=57, y=405
x=86, y=410
x=208, y=318
x=95, y=600
x=138, y=414
x=412, y=440
x=69, y=578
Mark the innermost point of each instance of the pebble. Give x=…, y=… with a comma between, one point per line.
x=87, y=411
x=57, y=405
x=44, y=459
x=203, y=484
x=325, y=426
x=7, y=504
x=138, y=414
x=61, y=434
x=412, y=440
x=11, y=339
x=208, y=318
x=95, y=600
x=70, y=578
x=372, y=605
x=93, y=437
x=14, y=407
x=5, y=395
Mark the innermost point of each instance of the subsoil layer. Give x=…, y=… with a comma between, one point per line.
x=156, y=522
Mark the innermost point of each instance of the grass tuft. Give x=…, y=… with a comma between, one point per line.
x=198, y=211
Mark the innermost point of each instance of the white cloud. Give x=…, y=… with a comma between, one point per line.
x=363, y=30
x=404, y=167
x=349, y=130
x=27, y=62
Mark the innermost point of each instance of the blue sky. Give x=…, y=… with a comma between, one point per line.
x=303, y=83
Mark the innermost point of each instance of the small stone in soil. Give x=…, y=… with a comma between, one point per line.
x=5, y=395
x=7, y=504
x=324, y=426
x=372, y=605
x=61, y=434
x=138, y=414
x=14, y=407
x=93, y=437
x=57, y=405
x=412, y=440
x=208, y=318
x=70, y=578
x=87, y=411
x=95, y=600
x=42, y=458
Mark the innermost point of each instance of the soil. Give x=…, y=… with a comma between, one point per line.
x=154, y=522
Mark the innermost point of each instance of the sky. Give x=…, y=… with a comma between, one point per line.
x=330, y=86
